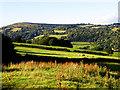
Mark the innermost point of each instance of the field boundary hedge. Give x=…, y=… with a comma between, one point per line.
x=59, y=49
x=40, y=47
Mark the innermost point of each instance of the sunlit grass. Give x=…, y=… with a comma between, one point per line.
x=16, y=29
x=57, y=36
x=115, y=29
x=57, y=75
x=59, y=31
x=53, y=53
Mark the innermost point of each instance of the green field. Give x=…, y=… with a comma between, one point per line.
x=59, y=31
x=44, y=50
x=78, y=45
x=115, y=29
x=53, y=53
x=57, y=36
x=58, y=75
x=32, y=74
x=60, y=48
x=16, y=29
x=116, y=54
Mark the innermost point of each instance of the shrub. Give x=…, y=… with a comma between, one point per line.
x=109, y=51
x=53, y=42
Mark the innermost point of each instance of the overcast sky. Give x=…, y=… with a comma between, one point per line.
x=59, y=12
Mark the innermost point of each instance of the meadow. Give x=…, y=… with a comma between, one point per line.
x=54, y=74
x=33, y=74
x=56, y=51
x=57, y=36
x=62, y=52
x=77, y=45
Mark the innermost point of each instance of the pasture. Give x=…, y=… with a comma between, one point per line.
x=54, y=53
x=77, y=45
x=115, y=29
x=16, y=29
x=62, y=52
x=59, y=31
x=42, y=74
x=57, y=36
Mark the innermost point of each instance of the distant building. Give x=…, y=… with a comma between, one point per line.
x=115, y=50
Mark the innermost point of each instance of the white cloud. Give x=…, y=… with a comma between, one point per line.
x=108, y=19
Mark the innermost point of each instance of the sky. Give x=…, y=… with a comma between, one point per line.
x=58, y=12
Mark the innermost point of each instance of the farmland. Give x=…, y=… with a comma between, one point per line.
x=78, y=45
x=57, y=36
x=92, y=62
x=57, y=51
x=63, y=52
x=53, y=74
x=43, y=52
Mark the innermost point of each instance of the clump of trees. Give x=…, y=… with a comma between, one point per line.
x=52, y=41
x=19, y=39
x=8, y=51
x=98, y=48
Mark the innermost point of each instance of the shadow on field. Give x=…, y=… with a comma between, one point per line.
x=37, y=53
x=19, y=58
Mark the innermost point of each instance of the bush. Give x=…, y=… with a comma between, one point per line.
x=109, y=50
x=28, y=41
x=44, y=40
x=53, y=42
x=98, y=48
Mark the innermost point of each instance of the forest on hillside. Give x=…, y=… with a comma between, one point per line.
x=104, y=36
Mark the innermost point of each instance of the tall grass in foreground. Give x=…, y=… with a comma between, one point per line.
x=57, y=75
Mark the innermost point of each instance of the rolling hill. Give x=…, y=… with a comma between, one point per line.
x=103, y=35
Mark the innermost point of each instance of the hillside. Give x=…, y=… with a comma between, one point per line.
x=103, y=35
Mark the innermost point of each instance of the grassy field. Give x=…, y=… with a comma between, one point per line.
x=85, y=25
x=115, y=29
x=58, y=47
x=53, y=53
x=77, y=45
x=58, y=75
x=32, y=74
x=57, y=36
x=116, y=54
x=64, y=54
x=16, y=29
x=59, y=31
